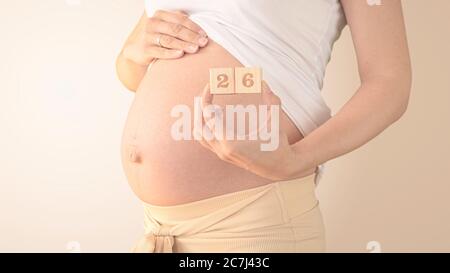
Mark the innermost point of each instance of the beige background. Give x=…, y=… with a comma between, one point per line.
x=62, y=111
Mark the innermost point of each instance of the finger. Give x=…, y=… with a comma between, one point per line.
x=205, y=144
x=178, y=31
x=218, y=153
x=163, y=53
x=214, y=120
x=202, y=130
x=198, y=136
x=268, y=96
x=230, y=160
x=206, y=138
x=208, y=108
x=220, y=146
x=213, y=147
x=271, y=100
x=222, y=150
x=181, y=12
x=170, y=42
x=179, y=17
x=215, y=139
x=207, y=97
x=212, y=114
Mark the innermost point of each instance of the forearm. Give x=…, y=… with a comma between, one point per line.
x=129, y=73
x=372, y=109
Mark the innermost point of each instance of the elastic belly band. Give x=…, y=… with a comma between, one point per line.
x=164, y=223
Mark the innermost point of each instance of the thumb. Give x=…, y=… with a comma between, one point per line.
x=182, y=12
x=268, y=96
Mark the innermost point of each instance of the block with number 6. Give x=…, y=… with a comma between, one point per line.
x=248, y=79
x=221, y=80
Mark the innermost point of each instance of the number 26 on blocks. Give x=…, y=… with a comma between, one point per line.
x=235, y=80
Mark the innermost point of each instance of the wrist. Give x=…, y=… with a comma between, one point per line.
x=129, y=73
x=130, y=60
x=300, y=163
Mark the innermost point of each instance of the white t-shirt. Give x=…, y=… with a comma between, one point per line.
x=291, y=40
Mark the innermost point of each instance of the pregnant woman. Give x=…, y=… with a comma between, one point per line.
x=213, y=195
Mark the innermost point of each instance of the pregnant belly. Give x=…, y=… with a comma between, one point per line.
x=164, y=171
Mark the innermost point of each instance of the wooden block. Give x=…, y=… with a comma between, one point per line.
x=248, y=79
x=221, y=80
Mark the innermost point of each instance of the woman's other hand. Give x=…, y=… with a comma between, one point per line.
x=277, y=163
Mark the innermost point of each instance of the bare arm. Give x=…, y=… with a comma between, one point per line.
x=129, y=72
x=172, y=30
x=384, y=65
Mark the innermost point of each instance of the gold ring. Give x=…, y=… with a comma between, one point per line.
x=158, y=40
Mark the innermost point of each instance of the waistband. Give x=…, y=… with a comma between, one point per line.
x=291, y=190
x=162, y=223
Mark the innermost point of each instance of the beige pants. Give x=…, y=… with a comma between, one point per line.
x=279, y=217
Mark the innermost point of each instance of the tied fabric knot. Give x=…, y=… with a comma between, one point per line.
x=160, y=235
x=155, y=242
x=152, y=243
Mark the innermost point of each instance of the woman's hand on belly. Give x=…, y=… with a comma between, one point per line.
x=264, y=151
x=165, y=35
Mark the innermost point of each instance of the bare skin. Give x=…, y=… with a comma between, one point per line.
x=166, y=172
x=172, y=172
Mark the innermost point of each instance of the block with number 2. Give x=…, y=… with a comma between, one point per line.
x=221, y=80
x=234, y=81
